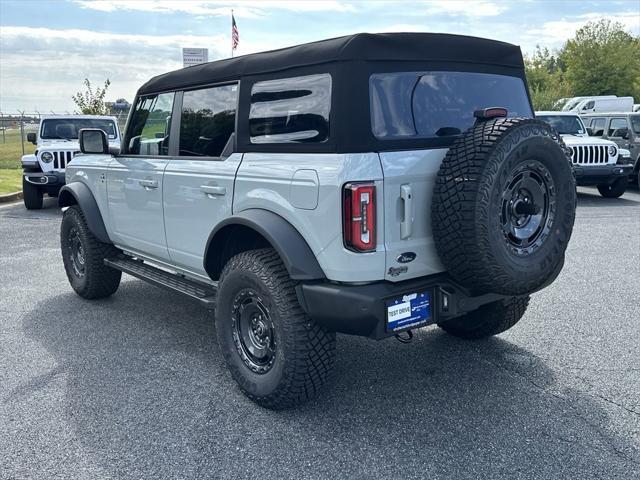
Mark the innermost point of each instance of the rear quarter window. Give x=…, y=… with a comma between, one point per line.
x=291, y=110
x=438, y=104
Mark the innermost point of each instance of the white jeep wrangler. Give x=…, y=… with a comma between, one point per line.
x=369, y=185
x=56, y=144
x=595, y=161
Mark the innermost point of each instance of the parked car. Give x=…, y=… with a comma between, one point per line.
x=622, y=128
x=595, y=161
x=618, y=104
x=571, y=103
x=368, y=184
x=56, y=144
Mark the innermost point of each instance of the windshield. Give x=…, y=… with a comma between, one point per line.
x=68, y=128
x=564, y=124
x=438, y=104
x=571, y=104
x=635, y=123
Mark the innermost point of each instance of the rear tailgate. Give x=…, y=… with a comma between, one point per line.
x=409, y=179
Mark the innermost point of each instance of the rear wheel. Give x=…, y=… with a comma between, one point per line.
x=278, y=356
x=488, y=320
x=615, y=189
x=83, y=257
x=32, y=195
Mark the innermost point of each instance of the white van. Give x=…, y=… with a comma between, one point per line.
x=571, y=103
x=619, y=104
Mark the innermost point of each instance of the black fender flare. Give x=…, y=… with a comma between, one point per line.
x=297, y=256
x=78, y=193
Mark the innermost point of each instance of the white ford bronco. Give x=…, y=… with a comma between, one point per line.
x=595, y=161
x=371, y=185
x=56, y=144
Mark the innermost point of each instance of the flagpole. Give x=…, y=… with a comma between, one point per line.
x=232, y=33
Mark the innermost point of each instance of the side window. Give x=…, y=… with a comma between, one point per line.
x=207, y=120
x=617, y=127
x=597, y=125
x=291, y=110
x=150, y=125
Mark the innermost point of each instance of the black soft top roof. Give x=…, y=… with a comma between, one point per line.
x=417, y=47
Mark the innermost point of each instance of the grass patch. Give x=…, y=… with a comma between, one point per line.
x=10, y=180
x=11, y=150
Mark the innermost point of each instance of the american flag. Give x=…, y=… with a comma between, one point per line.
x=235, y=36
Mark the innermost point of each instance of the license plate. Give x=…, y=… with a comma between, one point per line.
x=409, y=311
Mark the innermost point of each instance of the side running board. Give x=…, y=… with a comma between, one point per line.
x=197, y=290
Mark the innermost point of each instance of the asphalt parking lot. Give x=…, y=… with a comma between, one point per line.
x=135, y=386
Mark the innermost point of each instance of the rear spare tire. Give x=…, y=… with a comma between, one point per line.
x=503, y=206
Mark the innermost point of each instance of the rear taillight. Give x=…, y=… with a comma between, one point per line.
x=359, y=214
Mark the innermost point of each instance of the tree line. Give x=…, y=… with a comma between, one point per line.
x=601, y=59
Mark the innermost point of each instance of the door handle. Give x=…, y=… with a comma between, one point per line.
x=406, y=224
x=213, y=190
x=148, y=184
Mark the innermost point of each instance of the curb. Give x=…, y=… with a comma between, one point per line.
x=11, y=197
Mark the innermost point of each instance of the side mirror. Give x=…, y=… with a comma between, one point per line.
x=93, y=140
x=31, y=137
x=625, y=133
x=589, y=131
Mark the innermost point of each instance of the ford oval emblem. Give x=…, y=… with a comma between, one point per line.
x=406, y=257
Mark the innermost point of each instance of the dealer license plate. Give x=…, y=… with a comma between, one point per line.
x=409, y=311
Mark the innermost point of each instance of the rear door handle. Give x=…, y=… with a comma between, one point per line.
x=406, y=224
x=148, y=184
x=213, y=190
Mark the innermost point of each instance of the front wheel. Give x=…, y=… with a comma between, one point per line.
x=32, y=195
x=83, y=256
x=615, y=189
x=278, y=356
x=490, y=319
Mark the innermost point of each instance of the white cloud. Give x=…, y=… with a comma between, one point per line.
x=556, y=32
x=477, y=8
x=248, y=9
x=43, y=67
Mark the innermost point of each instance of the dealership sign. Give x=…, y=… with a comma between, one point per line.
x=194, y=56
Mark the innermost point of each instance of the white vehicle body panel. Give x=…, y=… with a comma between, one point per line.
x=135, y=204
x=416, y=172
x=618, y=104
x=271, y=181
x=197, y=195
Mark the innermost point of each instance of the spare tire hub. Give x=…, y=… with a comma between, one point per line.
x=528, y=204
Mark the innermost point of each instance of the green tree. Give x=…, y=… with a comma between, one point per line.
x=545, y=74
x=90, y=102
x=602, y=59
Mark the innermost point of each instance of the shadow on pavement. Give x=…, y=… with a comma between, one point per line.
x=147, y=391
x=591, y=198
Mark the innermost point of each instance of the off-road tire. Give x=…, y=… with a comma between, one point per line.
x=490, y=319
x=32, y=195
x=469, y=198
x=615, y=189
x=98, y=281
x=304, y=351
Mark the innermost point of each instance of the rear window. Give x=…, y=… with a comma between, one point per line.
x=438, y=104
x=291, y=110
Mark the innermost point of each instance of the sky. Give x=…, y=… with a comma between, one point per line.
x=47, y=48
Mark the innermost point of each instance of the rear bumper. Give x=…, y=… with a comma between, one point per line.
x=600, y=174
x=48, y=179
x=362, y=310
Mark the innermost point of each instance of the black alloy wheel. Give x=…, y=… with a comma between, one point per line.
x=528, y=206
x=253, y=331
